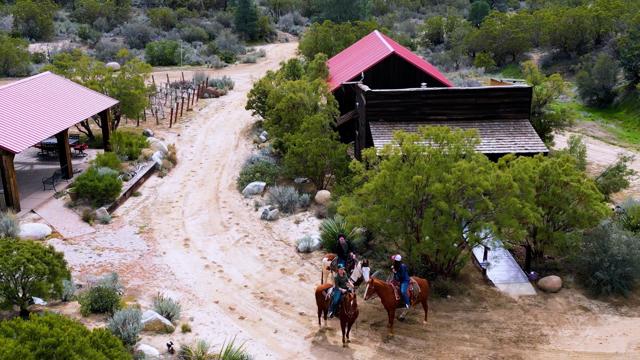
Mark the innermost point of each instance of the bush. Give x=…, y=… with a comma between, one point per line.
x=484, y=60
x=34, y=19
x=29, y=269
x=304, y=201
x=126, y=325
x=286, y=198
x=88, y=216
x=444, y=288
x=259, y=171
x=163, y=18
x=107, y=50
x=229, y=46
x=330, y=229
x=194, y=33
x=185, y=328
x=15, y=57
x=68, y=290
x=167, y=307
x=597, y=81
x=128, y=144
x=96, y=188
x=111, y=281
x=172, y=154
x=629, y=215
x=53, y=336
x=231, y=351
x=201, y=350
x=162, y=53
x=99, y=300
x=249, y=59
x=609, y=260
x=9, y=225
x=307, y=244
x=615, y=177
x=138, y=34
x=224, y=82
x=109, y=160
x=87, y=34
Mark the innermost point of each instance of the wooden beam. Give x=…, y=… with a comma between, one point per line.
x=64, y=154
x=9, y=181
x=361, y=132
x=105, y=123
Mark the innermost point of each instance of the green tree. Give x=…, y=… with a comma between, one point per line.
x=546, y=116
x=33, y=19
x=615, y=177
x=562, y=202
x=628, y=48
x=162, y=53
x=597, y=81
x=14, y=56
x=29, y=269
x=506, y=36
x=56, y=337
x=315, y=151
x=433, y=31
x=163, y=18
x=341, y=11
x=568, y=29
x=479, y=10
x=330, y=38
x=420, y=199
x=246, y=19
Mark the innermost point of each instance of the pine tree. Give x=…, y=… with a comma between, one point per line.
x=247, y=19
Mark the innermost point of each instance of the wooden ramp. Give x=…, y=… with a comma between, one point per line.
x=503, y=270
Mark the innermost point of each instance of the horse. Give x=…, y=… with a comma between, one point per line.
x=387, y=295
x=323, y=302
x=329, y=267
x=348, y=314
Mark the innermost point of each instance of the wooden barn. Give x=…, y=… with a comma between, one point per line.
x=382, y=87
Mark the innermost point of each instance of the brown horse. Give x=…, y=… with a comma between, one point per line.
x=348, y=314
x=387, y=295
x=323, y=302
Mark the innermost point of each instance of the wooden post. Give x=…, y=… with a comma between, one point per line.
x=9, y=180
x=153, y=80
x=175, y=120
x=168, y=82
x=171, y=117
x=181, y=104
x=182, y=72
x=188, y=100
x=64, y=154
x=105, y=124
x=361, y=132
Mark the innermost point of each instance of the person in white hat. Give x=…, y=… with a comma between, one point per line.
x=401, y=276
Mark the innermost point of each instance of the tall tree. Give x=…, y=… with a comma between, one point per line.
x=341, y=11
x=246, y=19
x=628, y=47
x=597, y=81
x=14, y=56
x=479, y=10
x=33, y=19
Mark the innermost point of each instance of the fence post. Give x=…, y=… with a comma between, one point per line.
x=188, y=100
x=181, y=104
x=171, y=118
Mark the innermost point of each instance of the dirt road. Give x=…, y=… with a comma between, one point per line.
x=192, y=236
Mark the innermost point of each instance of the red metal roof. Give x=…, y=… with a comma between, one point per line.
x=370, y=50
x=41, y=106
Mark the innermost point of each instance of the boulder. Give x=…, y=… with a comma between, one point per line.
x=270, y=214
x=38, y=301
x=323, y=197
x=301, y=180
x=102, y=213
x=147, y=132
x=148, y=351
x=254, y=188
x=158, y=145
x=157, y=158
x=113, y=65
x=152, y=321
x=551, y=284
x=34, y=231
x=264, y=136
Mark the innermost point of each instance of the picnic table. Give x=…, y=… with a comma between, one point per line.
x=49, y=147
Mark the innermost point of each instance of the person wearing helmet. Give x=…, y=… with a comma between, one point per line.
x=401, y=276
x=341, y=286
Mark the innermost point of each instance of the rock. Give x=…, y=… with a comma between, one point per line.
x=148, y=351
x=551, y=283
x=34, y=231
x=38, y=301
x=113, y=65
x=301, y=180
x=152, y=321
x=157, y=158
x=323, y=197
x=102, y=213
x=270, y=214
x=262, y=139
x=254, y=188
x=264, y=134
x=147, y=132
x=158, y=145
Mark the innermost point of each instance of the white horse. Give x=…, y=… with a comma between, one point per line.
x=360, y=270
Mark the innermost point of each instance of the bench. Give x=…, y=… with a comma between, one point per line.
x=52, y=180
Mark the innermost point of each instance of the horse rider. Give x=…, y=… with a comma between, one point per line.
x=344, y=251
x=401, y=276
x=341, y=285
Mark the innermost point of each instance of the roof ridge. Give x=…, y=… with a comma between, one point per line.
x=24, y=80
x=384, y=41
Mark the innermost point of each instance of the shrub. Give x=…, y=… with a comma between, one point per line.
x=615, y=177
x=629, y=216
x=34, y=19
x=167, y=307
x=231, y=351
x=107, y=50
x=443, y=287
x=88, y=216
x=126, y=325
x=229, y=46
x=99, y=300
x=53, y=336
x=185, y=328
x=87, y=34
x=224, y=82
x=249, y=59
x=201, y=350
x=286, y=198
x=96, y=188
x=259, y=171
x=163, y=18
x=162, y=53
x=597, y=81
x=331, y=228
x=137, y=34
x=111, y=281
x=9, y=225
x=109, y=160
x=194, y=33
x=484, y=60
x=29, y=269
x=15, y=56
x=609, y=260
x=304, y=201
x=68, y=290
x=172, y=155
x=127, y=144
x=307, y=244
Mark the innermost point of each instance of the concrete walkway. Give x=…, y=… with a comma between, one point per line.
x=503, y=270
x=63, y=220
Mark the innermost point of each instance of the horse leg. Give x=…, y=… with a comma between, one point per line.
x=392, y=315
x=425, y=306
x=343, y=324
x=319, y=316
x=348, y=331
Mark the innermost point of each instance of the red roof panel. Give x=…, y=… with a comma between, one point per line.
x=370, y=50
x=41, y=106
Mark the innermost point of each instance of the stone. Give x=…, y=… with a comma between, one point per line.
x=254, y=188
x=323, y=197
x=148, y=351
x=301, y=180
x=147, y=132
x=102, y=213
x=262, y=139
x=152, y=321
x=264, y=134
x=270, y=214
x=157, y=145
x=113, y=65
x=34, y=231
x=38, y=301
x=551, y=284
x=157, y=158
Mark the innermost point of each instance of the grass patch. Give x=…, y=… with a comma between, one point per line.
x=512, y=71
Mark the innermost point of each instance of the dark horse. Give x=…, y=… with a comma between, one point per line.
x=387, y=295
x=348, y=314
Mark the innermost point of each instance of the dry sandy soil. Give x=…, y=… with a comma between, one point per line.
x=192, y=236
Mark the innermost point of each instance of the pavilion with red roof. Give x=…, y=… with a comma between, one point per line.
x=44, y=107
x=382, y=87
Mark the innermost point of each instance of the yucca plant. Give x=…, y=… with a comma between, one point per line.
x=232, y=351
x=167, y=307
x=201, y=350
x=330, y=229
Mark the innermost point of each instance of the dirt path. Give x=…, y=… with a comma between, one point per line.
x=192, y=236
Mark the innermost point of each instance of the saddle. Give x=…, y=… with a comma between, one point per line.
x=414, y=290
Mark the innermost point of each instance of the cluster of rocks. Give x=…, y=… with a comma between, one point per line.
x=157, y=150
x=270, y=213
x=153, y=322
